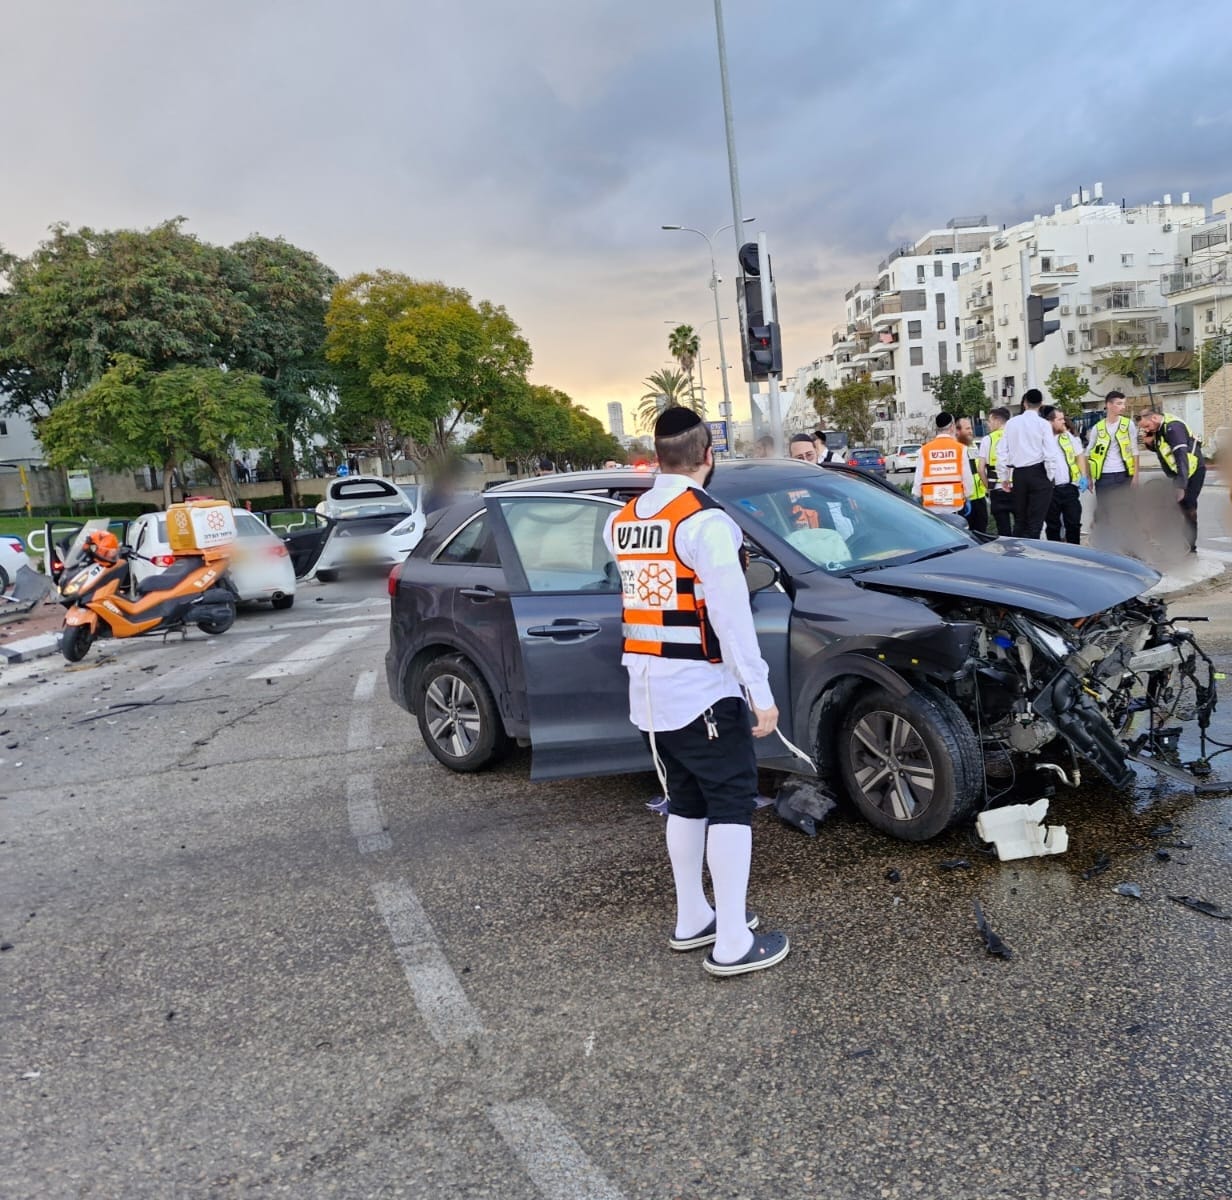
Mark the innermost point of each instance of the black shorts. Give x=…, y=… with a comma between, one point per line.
x=712, y=778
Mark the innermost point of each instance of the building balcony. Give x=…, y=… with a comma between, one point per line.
x=1053, y=266
x=1123, y=308
x=1123, y=334
x=883, y=345
x=979, y=301
x=984, y=354
x=1206, y=281
x=883, y=375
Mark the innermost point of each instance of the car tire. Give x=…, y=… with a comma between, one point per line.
x=281, y=603
x=327, y=576
x=4, y=580
x=75, y=642
x=457, y=716
x=928, y=733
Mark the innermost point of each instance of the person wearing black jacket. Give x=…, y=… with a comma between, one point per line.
x=1180, y=456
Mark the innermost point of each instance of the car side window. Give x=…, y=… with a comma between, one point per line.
x=473, y=544
x=559, y=542
x=141, y=536
x=250, y=526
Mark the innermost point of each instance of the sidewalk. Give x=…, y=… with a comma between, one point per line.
x=25, y=636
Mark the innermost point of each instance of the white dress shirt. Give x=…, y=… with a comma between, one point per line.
x=1056, y=464
x=669, y=693
x=1114, y=462
x=1028, y=440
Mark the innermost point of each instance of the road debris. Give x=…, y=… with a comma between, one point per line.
x=802, y=802
x=993, y=942
x=954, y=864
x=1017, y=831
x=1128, y=889
x=1202, y=906
x=1102, y=862
x=893, y=875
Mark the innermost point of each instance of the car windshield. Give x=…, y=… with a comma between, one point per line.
x=410, y=491
x=908, y=449
x=866, y=453
x=846, y=524
x=358, y=508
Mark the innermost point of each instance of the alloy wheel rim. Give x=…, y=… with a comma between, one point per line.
x=892, y=765
x=452, y=714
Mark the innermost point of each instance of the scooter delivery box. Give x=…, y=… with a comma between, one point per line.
x=200, y=525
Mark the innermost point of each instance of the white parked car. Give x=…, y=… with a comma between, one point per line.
x=12, y=559
x=904, y=458
x=260, y=564
x=374, y=523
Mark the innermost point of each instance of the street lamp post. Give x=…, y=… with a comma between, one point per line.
x=718, y=318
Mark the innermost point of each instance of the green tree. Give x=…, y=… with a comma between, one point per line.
x=84, y=297
x=133, y=416
x=1067, y=386
x=669, y=387
x=419, y=358
x=962, y=395
x=849, y=407
x=525, y=425
x=684, y=345
x=1132, y=363
x=1214, y=353
x=817, y=390
x=282, y=339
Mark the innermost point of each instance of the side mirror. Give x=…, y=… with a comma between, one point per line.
x=760, y=574
x=955, y=519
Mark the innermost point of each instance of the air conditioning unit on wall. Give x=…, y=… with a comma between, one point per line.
x=1013, y=354
x=1083, y=309
x=1006, y=321
x=1065, y=310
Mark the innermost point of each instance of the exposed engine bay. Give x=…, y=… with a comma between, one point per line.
x=1113, y=687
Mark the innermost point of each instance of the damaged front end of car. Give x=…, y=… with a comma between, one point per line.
x=1114, y=687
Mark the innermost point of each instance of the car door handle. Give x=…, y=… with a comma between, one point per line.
x=564, y=631
x=478, y=593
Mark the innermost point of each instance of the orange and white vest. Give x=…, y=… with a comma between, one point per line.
x=941, y=465
x=664, y=611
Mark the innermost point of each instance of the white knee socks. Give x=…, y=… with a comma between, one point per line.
x=686, y=847
x=729, y=851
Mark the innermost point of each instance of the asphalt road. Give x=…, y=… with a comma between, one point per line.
x=259, y=944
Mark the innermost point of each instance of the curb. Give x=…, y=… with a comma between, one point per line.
x=30, y=648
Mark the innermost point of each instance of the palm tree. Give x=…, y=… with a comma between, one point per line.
x=667, y=389
x=684, y=345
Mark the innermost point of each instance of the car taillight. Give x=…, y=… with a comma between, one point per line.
x=881, y=462
x=18, y=547
x=279, y=551
x=393, y=581
x=853, y=462
x=163, y=560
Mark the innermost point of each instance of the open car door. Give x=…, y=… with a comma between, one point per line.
x=61, y=539
x=303, y=531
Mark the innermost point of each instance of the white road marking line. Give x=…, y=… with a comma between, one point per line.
x=303, y=660
x=442, y=1002
x=177, y=677
x=367, y=818
x=365, y=686
x=549, y=1153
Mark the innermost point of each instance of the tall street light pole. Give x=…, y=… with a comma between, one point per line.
x=718, y=319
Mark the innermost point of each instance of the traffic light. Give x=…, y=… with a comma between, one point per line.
x=765, y=351
x=1037, y=328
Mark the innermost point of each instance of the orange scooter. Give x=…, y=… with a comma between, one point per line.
x=195, y=590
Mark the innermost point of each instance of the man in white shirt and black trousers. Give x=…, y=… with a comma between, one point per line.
x=1024, y=453
x=691, y=651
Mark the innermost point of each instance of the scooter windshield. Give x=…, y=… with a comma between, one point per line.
x=74, y=554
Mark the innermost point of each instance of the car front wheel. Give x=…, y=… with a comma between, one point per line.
x=457, y=715
x=911, y=764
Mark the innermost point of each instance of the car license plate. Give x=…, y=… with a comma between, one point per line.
x=361, y=553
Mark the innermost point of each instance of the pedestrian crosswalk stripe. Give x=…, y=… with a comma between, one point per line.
x=303, y=660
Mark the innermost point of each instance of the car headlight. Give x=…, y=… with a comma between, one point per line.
x=407, y=526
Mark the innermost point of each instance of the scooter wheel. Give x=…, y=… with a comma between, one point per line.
x=75, y=642
x=219, y=626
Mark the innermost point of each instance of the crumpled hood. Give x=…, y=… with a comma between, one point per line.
x=1048, y=578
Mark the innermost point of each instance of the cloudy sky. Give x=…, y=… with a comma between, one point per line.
x=530, y=151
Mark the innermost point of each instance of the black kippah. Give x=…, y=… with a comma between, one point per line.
x=675, y=420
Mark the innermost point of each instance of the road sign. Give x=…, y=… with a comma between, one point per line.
x=718, y=436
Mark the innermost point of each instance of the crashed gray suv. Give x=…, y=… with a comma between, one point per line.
x=912, y=659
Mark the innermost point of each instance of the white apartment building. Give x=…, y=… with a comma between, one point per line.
x=1199, y=282
x=616, y=419
x=1105, y=264
x=904, y=326
x=18, y=443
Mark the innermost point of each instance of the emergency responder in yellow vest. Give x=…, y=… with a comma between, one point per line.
x=1068, y=471
x=1180, y=455
x=977, y=516
x=943, y=481
x=691, y=652
x=1000, y=502
x=1112, y=458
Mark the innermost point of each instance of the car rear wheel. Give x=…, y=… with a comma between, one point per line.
x=327, y=576
x=282, y=602
x=911, y=764
x=457, y=715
